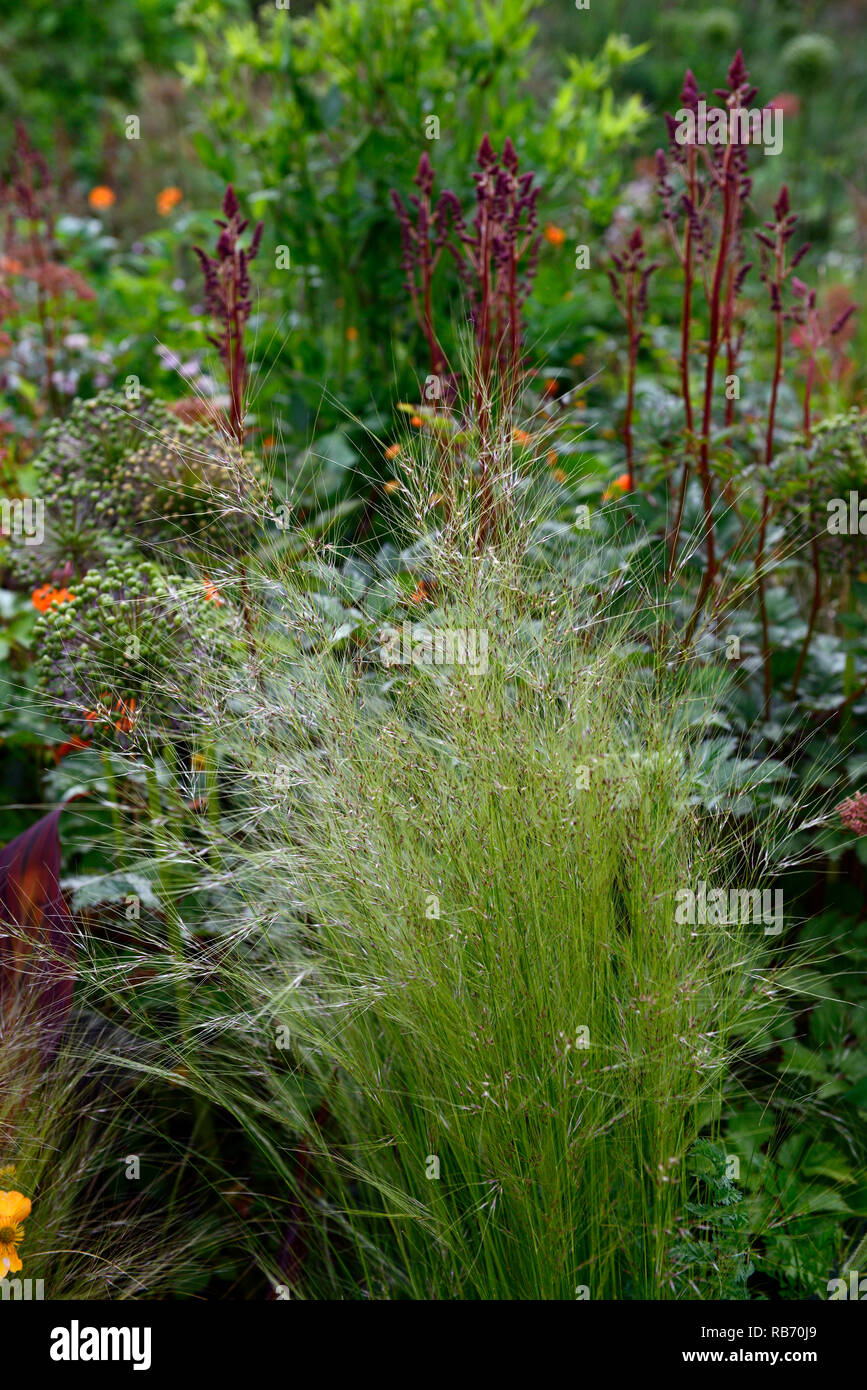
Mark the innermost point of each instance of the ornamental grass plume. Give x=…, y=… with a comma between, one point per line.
x=455, y=1011
x=64, y=1123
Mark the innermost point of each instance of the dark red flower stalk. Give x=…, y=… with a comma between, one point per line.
x=30, y=198
x=495, y=256
x=815, y=335
x=729, y=186
x=498, y=264
x=775, y=272
x=629, y=277
x=684, y=243
x=228, y=299
x=423, y=240
x=705, y=225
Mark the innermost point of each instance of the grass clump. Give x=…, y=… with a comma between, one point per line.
x=457, y=888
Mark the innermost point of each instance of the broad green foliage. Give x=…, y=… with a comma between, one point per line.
x=73, y=59
x=341, y=127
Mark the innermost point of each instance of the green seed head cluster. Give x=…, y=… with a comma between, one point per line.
x=717, y=27
x=122, y=656
x=116, y=474
x=810, y=61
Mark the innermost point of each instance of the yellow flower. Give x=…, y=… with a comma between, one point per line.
x=14, y=1208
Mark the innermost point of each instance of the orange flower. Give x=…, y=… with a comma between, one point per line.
x=101, y=197
x=126, y=710
x=551, y=387
x=74, y=743
x=43, y=597
x=14, y=1208
x=559, y=474
x=555, y=235
x=420, y=593
x=619, y=485
x=127, y=715
x=168, y=198
x=551, y=458
x=392, y=451
x=417, y=421
x=392, y=485
x=351, y=334
x=212, y=593
x=522, y=437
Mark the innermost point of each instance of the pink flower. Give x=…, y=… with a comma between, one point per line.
x=853, y=813
x=787, y=102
